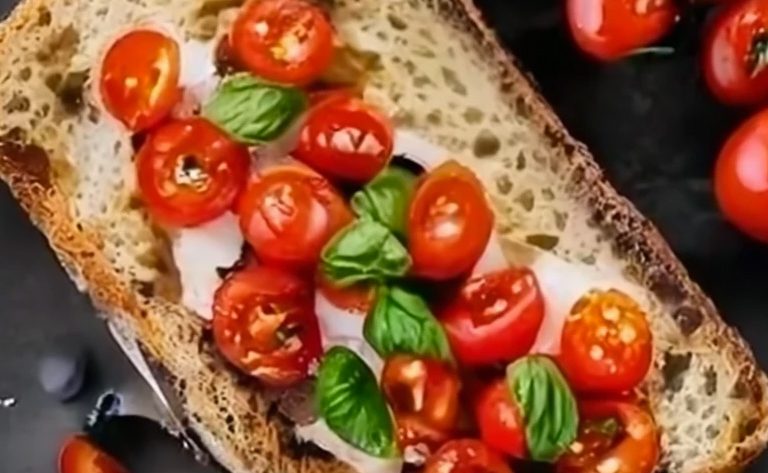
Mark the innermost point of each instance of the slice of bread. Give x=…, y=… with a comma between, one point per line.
x=442, y=74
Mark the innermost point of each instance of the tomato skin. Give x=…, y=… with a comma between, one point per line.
x=606, y=344
x=449, y=222
x=340, y=121
x=79, y=455
x=479, y=333
x=139, y=83
x=358, y=298
x=288, y=214
x=500, y=420
x=741, y=177
x=189, y=172
x=265, y=30
x=611, y=29
x=264, y=323
x=466, y=456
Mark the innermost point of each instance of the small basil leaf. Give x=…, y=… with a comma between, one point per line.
x=364, y=251
x=386, y=199
x=350, y=402
x=253, y=111
x=401, y=322
x=547, y=405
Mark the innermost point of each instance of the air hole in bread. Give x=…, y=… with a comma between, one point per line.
x=710, y=381
x=689, y=319
x=526, y=200
x=504, y=184
x=673, y=371
x=545, y=242
x=486, y=144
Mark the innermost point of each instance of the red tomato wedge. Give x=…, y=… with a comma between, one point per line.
x=78, y=455
x=466, y=456
x=449, y=224
x=139, y=82
x=288, y=213
x=288, y=41
x=189, y=172
x=264, y=323
x=606, y=344
x=495, y=317
x=500, y=421
x=343, y=138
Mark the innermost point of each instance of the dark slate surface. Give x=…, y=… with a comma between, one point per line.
x=648, y=120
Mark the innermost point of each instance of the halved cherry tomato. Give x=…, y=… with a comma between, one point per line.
x=500, y=421
x=283, y=40
x=140, y=78
x=495, y=317
x=264, y=323
x=466, y=456
x=613, y=436
x=78, y=455
x=449, y=224
x=736, y=53
x=606, y=343
x=288, y=213
x=356, y=298
x=741, y=177
x=189, y=172
x=611, y=29
x=345, y=139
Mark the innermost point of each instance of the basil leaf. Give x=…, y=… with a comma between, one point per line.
x=401, y=322
x=386, y=199
x=350, y=402
x=547, y=406
x=364, y=251
x=253, y=111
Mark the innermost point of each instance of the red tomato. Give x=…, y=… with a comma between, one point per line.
x=736, y=53
x=264, y=323
x=495, y=318
x=189, y=172
x=606, y=343
x=466, y=456
x=288, y=214
x=140, y=78
x=283, y=40
x=357, y=298
x=741, y=177
x=611, y=29
x=449, y=224
x=345, y=139
x=613, y=435
x=78, y=455
x=500, y=421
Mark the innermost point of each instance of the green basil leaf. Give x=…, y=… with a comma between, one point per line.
x=547, y=405
x=253, y=111
x=364, y=251
x=350, y=402
x=401, y=322
x=386, y=199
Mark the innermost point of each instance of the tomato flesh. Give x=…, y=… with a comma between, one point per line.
x=78, y=455
x=264, y=323
x=500, y=420
x=495, y=318
x=466, y=456
x=287, y=41
x=606, y=343
x=449, y=223
x=140, y=78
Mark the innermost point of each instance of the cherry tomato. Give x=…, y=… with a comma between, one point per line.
x=449, y=224
x=736, y=53
x=606, y=343
x=288, y=213
x=264, y=323
x=189, y=172
x=741, y=177
x=616, y=436
x=283, y=40
x=140, y=78
x=345, y=139
x=495, y=317
x=356, y=298
x=78, y=455
x=611, y=29
x=500, y=421
x=466, y=456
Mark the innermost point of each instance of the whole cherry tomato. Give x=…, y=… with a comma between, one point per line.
x=78, y=455
x=466, y=456
x=500, y=421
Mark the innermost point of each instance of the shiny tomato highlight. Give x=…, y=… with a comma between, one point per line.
x=500, y=421
x=466, y=456
x=79, y=455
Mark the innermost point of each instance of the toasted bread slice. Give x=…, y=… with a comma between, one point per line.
x=441, y=74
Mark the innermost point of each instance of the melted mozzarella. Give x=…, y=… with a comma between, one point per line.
x=197, y=76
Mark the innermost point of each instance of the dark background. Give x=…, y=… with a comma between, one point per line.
x=648, y=120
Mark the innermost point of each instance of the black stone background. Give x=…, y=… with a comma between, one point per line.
x=648, y=120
